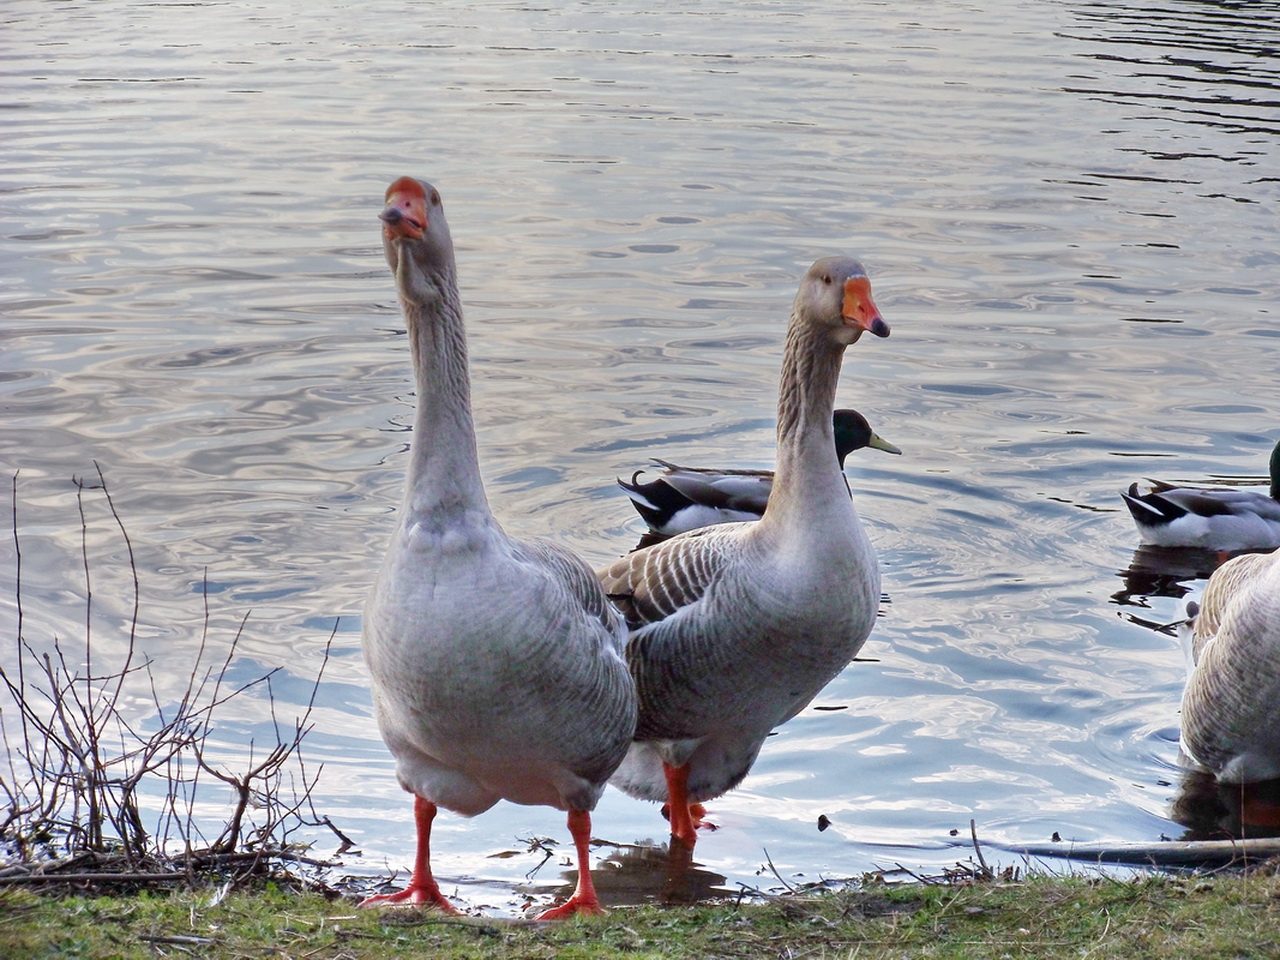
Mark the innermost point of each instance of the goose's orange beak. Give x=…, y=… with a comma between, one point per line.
x=860, y=310
x=405, y=213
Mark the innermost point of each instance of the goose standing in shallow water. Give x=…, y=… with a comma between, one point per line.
x=496, y=664
x=1211, y=518
x=736, y=627
x=1231, y=705
x=686, y=498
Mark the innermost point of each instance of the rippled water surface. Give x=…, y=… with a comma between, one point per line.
x=1068, y=213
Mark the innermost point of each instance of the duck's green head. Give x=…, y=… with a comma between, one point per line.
x=853, y=433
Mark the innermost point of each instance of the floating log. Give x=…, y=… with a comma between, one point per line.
x=1164, y=853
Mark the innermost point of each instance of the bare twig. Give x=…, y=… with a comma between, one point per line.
x=17, y=590
x=76, y=777
x=133, y=573
x=973, y=832
x=774, y=870
x=346, y=843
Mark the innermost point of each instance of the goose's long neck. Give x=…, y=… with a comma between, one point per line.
x=808, y=477
x=444, y=469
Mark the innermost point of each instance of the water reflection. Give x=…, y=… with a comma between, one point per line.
x=649, y=873
x=1212, y=810
x=1165, y=572
x=667, y=874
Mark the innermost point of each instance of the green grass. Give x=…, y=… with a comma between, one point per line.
x=1227, y=916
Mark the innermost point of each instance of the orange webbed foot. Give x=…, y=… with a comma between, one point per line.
x=584, y=901
x=413, y=896
x=575, y=906
x=698, y=813
x=422, y=889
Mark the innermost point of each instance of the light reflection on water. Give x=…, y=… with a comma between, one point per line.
x=1062, y=207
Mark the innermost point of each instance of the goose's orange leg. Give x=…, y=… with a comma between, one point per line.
x=584, y=899
x=685, y=817
x=422, y=888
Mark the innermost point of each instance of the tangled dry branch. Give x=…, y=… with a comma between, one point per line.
x=91, y=784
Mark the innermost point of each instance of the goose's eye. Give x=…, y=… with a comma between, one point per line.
x=435, y=198
x=827, y=279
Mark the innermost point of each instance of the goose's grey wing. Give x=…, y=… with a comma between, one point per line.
x=650, y=585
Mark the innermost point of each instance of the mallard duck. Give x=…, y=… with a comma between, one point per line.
x=1212, y=518
x=736, y=627
x=497, y=664
x=685, y=498
x=1231, y=705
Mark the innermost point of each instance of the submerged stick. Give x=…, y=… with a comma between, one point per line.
x=1164, y=853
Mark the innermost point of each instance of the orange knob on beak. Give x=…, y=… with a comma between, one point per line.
x=860, y=310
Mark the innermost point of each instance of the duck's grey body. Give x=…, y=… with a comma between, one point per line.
x=1208, y=518
x=686, y=498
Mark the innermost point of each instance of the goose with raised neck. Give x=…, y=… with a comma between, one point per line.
x=736, y=627
x=496, y=665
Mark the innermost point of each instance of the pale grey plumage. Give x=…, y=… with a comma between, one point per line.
x=736, y=627
x=496, y=665
x=1231, y=705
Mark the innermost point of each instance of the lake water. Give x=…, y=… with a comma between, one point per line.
x=1068, y=213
